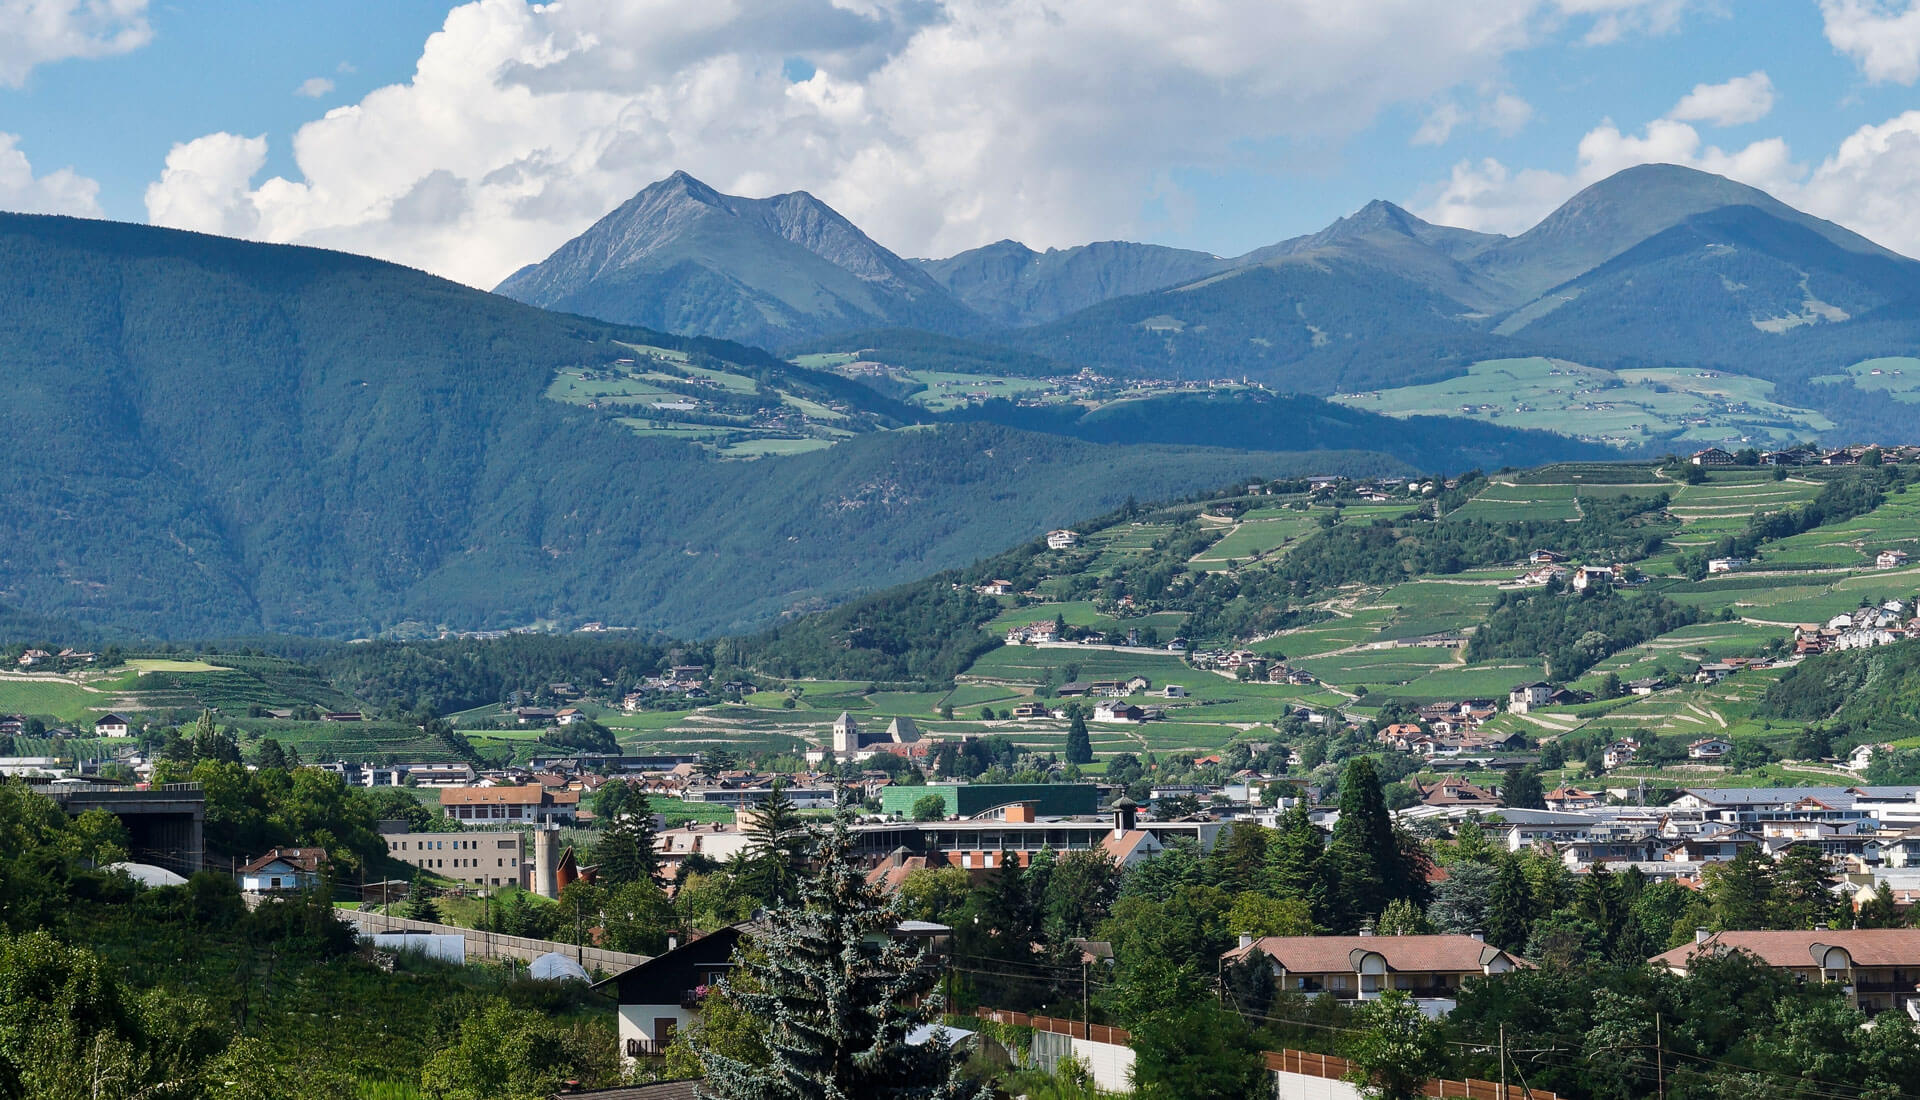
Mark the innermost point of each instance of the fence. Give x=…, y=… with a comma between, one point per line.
x=494, y=945
x=1298, y=1074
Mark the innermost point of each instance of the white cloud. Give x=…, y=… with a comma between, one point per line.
x=1506, y=114
x=1503, y=113
x=1613, y=20
x=314, y=87
x=59, y=192
x=936, y=126
x=1439, y=124
x=1882, y=37
x=205, y=184
x=1871, y=184
x=37, y=32
x=1740, y=100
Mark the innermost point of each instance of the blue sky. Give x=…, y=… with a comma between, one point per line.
x=938, y=124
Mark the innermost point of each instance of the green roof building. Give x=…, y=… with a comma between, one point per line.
x=968, y=799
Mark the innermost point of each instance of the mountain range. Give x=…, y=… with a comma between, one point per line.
x=214, y=437
x=1655, y=265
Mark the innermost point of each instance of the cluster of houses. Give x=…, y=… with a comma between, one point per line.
x=1544, y=567
x=1807, y=455
x=43, y=660
x=1448, y=733
x=1871, y=835
x=1863, y=628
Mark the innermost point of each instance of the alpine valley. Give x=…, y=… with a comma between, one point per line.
x=709, y=412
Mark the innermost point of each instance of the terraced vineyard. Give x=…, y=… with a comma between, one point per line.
x=1369, y=649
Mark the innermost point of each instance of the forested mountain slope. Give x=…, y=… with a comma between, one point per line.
x=213, y=436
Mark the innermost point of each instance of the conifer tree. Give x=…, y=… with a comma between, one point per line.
x=777, y=843
x=838, y=997
x=1294, y=859
x=419, y=905
x=1374, y=862
x=1509, y=904
x=626, y=851
x=1079, y=745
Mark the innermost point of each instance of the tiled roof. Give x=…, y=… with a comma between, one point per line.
x=1868, y=946
x=659, y=1090
x=1334, y=954
x=528, y=795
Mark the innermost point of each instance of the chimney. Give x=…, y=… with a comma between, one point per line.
x=1124, y=809
x=673, y=942
x=1821, y=927
x=1699, y=935
x=1366, y=928
x=1479, y=934
x=1246, y=940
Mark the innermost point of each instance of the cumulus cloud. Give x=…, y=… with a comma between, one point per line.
x=1882, y=37
x=204, y=185
x=314, y=87
x=1871, y=184
x=935, y=125
x=41, y=31
x=1740, y=100
x=58, y=192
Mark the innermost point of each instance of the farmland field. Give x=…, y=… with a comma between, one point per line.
x=1624, y=408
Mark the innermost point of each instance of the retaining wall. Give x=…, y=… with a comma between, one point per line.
x=493, y=945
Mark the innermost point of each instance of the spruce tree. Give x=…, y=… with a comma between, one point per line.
x=419, y=905
x=1293, y=855
x=777, y=842
x=1079, y=745
x=1509, y=905
x=837, y=996
x=1365, y=846
x=626, y=851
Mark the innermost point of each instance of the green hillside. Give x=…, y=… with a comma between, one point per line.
x=1379, y=605
x=238, y=438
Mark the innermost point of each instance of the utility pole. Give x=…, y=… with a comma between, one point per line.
x=1659, y=1058
x=1086, y=1021
x=1503, y=1062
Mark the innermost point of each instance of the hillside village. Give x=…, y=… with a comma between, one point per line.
x=1552, y=673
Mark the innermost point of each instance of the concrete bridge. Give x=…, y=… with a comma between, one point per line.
x=165, y=824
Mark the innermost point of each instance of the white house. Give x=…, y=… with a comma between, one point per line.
x=1619, y=753
x=283, y=869
x=1062, y=539
x=1525, y=697
x=1891, y=559
x=1709, y=748
x=1862, y=756
x=1725, y=565
x=1591, y=576
x=663, y=995
x=113, y=725
x=1173, y=691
